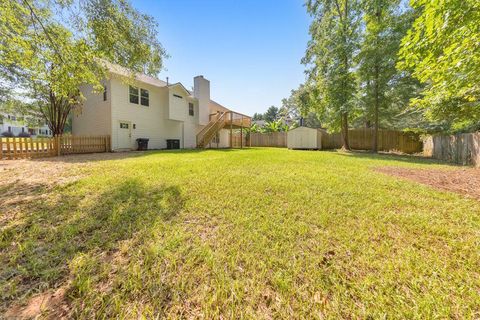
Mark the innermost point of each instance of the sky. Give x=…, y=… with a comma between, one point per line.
x=250, y=50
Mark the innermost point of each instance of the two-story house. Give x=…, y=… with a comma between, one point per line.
x=146, y=107
x=14, y=125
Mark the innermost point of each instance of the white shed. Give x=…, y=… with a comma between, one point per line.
x=304, y=138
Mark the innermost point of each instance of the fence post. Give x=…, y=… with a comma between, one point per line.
x=58, y=145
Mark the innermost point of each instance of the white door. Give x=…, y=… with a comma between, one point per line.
x=124, y=135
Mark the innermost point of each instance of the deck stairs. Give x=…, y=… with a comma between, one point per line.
x=205, y=136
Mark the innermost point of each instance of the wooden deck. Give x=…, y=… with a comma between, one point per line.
x=229, y=120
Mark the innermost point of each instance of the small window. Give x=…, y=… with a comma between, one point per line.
x=133, y=94
x=177, y=96
x=105, y=93
x=190, y=109
x=144, y=98
x=13, y=118
x=123, y=125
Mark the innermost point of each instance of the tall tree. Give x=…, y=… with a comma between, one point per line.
x=330, y=55
x=385, y=22
x=257, y=116
x=442, y=48
x=48, y=58
x=271, y=115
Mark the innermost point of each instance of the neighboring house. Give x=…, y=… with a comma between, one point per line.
x=146, y=107
x=12, y=123
x=259, y=123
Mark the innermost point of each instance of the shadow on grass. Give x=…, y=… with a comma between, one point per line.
x=38, y=244
x=390, y=157
x=95, y=157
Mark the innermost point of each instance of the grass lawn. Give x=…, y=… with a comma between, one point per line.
x=255, y=233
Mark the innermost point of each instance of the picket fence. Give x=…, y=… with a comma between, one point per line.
x=19, y=148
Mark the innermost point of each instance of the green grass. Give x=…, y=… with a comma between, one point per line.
x=257, y=233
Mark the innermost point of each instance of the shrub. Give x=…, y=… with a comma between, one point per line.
x=24, y=135
x=7, y=134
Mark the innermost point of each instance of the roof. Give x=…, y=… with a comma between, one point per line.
x=122, y=71
x=182, y=86
x=125, y=72
x=217, y=105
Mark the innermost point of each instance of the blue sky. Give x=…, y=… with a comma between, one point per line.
x=250, y=50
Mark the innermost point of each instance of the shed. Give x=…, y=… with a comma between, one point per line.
x=304, y=138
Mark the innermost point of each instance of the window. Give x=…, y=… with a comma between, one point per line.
x=123, y=125
x=133, y=94
x=105, y=92
x=177, y=96
x=190, y=109
x=9, y=129
x=144, y=99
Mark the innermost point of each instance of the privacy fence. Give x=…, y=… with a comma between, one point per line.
x=18, y=148
x=388, y=140
x=239, y=141
x=461, y=149
x=360, y=139
x=271, y=139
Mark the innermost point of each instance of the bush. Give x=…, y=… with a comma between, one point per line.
x=24, y=135
x=7, y=134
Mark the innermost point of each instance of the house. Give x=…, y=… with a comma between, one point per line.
x=14, y=125
x=169, y=115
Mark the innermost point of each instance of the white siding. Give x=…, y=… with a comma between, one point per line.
x=178, y=104
x=153, y=122
x=93, y=117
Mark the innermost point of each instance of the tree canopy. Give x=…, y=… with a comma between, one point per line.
x=50, y=48
x=442, y=49
x=330, y=56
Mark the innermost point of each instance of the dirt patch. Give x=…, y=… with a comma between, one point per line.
x=49, y=305
x=26, y=180
x=465, y=181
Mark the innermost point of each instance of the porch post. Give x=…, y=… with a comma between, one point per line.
x=241, y=133
x=231, y=130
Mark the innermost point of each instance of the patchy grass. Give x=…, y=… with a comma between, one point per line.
x=258, y=233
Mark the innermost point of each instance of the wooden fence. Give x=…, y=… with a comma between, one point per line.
x=271, y=139
x=237, y=141
x=360, y=139
x=18, y=148
x=388, y=140
x=461, y=149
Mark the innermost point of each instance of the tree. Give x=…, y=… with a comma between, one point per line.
x=330, y=54
x=384, y=25
x=48, y=60
x=257, y=116
x=271, y=114
x=442, y=48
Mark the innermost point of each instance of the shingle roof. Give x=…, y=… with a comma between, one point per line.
x=122, y=71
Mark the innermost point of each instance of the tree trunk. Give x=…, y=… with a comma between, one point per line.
x=56, y=113
x=377, y=89
x=345, y=142
x=377, y=102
